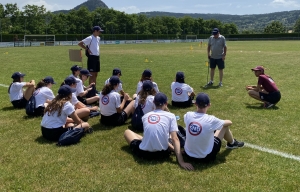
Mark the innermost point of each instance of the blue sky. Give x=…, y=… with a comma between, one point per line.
x=234, y=7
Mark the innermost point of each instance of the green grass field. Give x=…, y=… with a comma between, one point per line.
x=102, y=161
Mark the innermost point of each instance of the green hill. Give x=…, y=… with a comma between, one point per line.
x=90, y=4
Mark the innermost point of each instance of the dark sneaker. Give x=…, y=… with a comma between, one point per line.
x=220, y=84
x=268, y=105
x=235, y=145
x=90, y=130
x=210, y=83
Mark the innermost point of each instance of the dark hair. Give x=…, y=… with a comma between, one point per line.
x=107, y=89
x=144, y=94
x=41, y=84
x=179, y=80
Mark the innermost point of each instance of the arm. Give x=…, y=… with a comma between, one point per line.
x=82, y=94
x=208, y=51
x=177, y=151
x=224, y=53
x=81, y=44
x=119, y=109
x=76, y=119
x=30, y=84
x=227, y=123
x=79, y=105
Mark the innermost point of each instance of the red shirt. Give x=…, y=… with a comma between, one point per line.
x=267, y=83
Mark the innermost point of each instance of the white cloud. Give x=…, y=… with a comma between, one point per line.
x=285, y=3
x=129, y=10
x=48, y=6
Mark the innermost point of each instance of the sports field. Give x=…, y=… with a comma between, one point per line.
x=102, y=161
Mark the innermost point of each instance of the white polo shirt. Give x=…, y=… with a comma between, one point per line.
x=158, y=125
x=93, y=43
x=41, y=95
x=54, y=121
x=200, y=129
x=180, y=91
x=16, y=91
x=109, y=103
x=148, y=106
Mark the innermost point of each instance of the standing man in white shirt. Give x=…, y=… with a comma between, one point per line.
x=92, y=45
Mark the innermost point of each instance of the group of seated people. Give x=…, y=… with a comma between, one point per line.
x=69, y=110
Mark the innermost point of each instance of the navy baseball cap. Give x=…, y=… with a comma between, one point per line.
x=17, y=75
x=116, y=71
x=66, y=90
x=85, y=72
x=179, y=75
x=215, y=31
x=202, y=100
x=75, y=68
x=147, y=85
x=71, y=80
x=114, y=80
x=160, y=99
x=97, y=28
x=49, y=79
x=147, y=73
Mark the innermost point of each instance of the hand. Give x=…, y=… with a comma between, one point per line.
x=92, y=84
x=187, y=166
x=126, y=96
x=223, y=57
x=208, y=56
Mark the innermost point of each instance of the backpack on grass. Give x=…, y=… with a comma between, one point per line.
x=71, y=137
x=30, y=106
x=136, y=119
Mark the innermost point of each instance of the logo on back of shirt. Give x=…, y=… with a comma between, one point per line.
x=153, y=119
x=105, y=100
x=178, y=91
x=195, y=128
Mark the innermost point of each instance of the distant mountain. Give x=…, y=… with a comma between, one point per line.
x=256, y=22
x=90, y=4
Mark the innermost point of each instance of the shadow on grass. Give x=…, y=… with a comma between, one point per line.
x=209, y=87
x=199, y=166
x=11, y=108
x=139, y=160
x=100, y=127
x=31, y=117
x=259, y=106
x=42, y=140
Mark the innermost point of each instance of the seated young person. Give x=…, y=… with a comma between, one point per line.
x=158, y=126
x=17, y=96
x=145, y=97
x=55, y=121
x=43, y=95
x=182, y=93
x=82, y=96
x=146, y=75
x=114, y=112
x=204, y=133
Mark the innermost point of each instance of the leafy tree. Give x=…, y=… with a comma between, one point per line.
x=297, y=26
x=275, y=27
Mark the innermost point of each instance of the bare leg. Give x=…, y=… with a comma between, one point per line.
x=224, y=133
x=28, y=92
x=84, y=125
x=130, y=108
x=221, y=74
x=83, y=113
x=93, y=78
x=212, y=73
x=130, y=136
x=92, y=99
x=255, y=95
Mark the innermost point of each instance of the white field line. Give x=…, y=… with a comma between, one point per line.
x=274, y=152
x=2, y=85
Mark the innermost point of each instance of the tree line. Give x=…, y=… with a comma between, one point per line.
x=33, y=19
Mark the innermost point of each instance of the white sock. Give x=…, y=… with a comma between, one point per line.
x=232, y=142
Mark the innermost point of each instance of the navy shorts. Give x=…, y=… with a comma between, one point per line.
x=183, y=104
x=217, y=62
x=135, y=148
x=82, y=100
x=116, y=119
x=93, y=63
x=53, y=134
x=212, y=155
x=21, y=103
x=273, y=97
